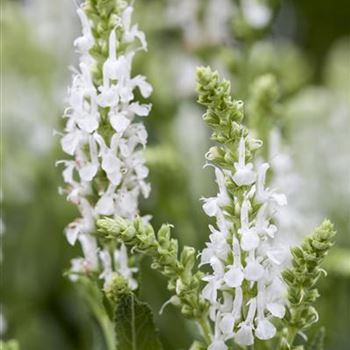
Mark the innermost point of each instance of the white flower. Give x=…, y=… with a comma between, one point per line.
x=86, y=41
x=214, y=204
x=218, y=344
x=107, y=171
x=244, y=335
x=264, y=195
x=256, y=13
x=244, y=248
x=244, y=174
x=249, y=238
x=235, y=276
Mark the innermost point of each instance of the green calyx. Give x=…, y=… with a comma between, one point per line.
x=301, y=280
x=164, y=251
x=118, y=286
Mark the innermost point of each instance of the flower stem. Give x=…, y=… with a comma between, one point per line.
x=205, y=329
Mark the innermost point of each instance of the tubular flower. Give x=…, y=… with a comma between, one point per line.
x=106, y=172
x=245, y=288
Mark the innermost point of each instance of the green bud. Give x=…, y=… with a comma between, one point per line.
x=117, y=287
x=301, y=279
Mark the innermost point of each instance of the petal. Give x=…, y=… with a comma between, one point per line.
x=226, y=324
x=249, y=241
x=110, y=163
x=244, y=336
x=88, y=172
x=209, y=292
x=72, y=231
x=115, y=177
x=234, y=277
x=210, y=206
x=276, y=309
x=265, y=330
x=70, y=142
x=119, y=122
x=88, y=123
x=217, y=344
x=105, y=205
x=244, y=177
x=254, y=271
x=140, y=110
x=145, y=88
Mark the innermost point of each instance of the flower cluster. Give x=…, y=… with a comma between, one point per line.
x=107, y=172
x=245, y=288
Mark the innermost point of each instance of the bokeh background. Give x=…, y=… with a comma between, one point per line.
x=307, y=47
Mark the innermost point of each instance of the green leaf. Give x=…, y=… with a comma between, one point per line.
x=134, y=325
x=317, y=342
x=93, y=296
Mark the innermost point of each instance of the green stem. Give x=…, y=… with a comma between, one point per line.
x=108, y=332
x=287, y=338
x=205, y=329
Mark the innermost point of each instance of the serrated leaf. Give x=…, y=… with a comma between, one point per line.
x=134, y=325
x=317, y=342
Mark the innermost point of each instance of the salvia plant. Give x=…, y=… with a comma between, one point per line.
x=247, y=288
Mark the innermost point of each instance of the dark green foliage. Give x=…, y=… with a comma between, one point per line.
x=134, y=325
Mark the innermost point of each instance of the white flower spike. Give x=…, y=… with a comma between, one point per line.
x=107, y=172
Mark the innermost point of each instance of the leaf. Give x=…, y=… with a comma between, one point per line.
x=317, y=342
x=134, y=325
x=93, y=296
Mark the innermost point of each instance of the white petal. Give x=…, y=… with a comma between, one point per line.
x=226, y=324
x=217, y=344
x=244, y=336
x=210, y=206
x=108, y=97
x=110, y=163
x=140, y=110
x=265, y=330
x=115, y=177
x=209, y=292
x=88, y=123
x=119, y=122
x=88, y=172
x=280, y=199
x=244, y=176
x=70, y=142
x=254, y=271
x=145, y=88
x=249, y=241
x=234, y=277
x=206, y=254
x=218, y=266
x=68, y=172
x=105, y=205
x=276, y=309
x=278, y=255
x=72, y=232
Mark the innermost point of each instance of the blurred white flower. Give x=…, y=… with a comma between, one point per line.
x=256, y=13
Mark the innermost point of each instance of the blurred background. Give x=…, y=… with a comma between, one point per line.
x=304, y=44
